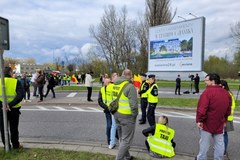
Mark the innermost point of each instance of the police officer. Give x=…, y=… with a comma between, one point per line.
x=143, y=94
x=152, y=98
x=14, y=95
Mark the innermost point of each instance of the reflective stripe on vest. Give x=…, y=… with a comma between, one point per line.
x=144, y=95
x=151, y=98
x=10, y=89
x=230, y=117
x=160, y=142
x=124, y=106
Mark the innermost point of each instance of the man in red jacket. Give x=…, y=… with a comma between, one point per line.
x=214, y=106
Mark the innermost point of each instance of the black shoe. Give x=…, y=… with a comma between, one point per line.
x=142, y=122
x=53, y=97
x=140, y=119
x=90, y=100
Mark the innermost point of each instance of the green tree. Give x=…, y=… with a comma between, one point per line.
x=217, y=65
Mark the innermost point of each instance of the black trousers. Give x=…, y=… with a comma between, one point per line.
x=177, y=90
x=151, y=113
x=196, y=87
x=13, y=121
x=52, y=90
x=89, y=94
x=144, y=104
x=40, y=90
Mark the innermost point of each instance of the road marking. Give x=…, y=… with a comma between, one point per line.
x=95, y=109
x=41, y=107
x=78, y=109
x=60, y=108
x=182, y=114
x=72, y=94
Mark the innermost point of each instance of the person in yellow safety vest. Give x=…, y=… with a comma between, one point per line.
x=229, y=125
x=104, y=99
x=126, y=114
x=14, y=95
x=152, y=98
x=160, y=139
x=68, y=77
x=143, y=94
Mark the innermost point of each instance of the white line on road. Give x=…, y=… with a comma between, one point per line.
x=95, y=109
x=72, y=94
x=41, y=107
x=78, y=109
x=60, y=108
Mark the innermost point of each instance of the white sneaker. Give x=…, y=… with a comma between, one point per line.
x=111, y=146
x=24, y=101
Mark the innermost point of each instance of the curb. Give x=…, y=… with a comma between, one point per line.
x=135, y=151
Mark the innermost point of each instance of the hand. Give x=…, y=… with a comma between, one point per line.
x=8, y=108
x=200, y=125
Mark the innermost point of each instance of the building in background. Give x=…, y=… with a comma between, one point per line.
x=27, y=68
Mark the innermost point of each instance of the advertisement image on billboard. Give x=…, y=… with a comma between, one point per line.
x=177, y=46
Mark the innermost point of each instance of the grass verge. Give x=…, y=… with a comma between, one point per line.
x=51, y=154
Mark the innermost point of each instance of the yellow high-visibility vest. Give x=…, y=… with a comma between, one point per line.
x=10, y=86
x=160, y=142
x=230, y=117
x=151, y=98
x=144, y=95
x=124, y=106
x=107, y=94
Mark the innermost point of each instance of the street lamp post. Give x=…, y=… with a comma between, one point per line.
x=182, y=18
x=192, y=15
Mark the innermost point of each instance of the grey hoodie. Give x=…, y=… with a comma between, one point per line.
x=131, y=93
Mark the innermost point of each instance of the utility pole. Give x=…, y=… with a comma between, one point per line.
x=4, y=45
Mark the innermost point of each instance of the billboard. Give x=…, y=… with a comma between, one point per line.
x=177, y=46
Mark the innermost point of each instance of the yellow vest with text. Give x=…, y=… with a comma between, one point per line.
x=144, y=95
x=107, y=94
x=160, y=142
x=124, y=106
x=10, y=89
x=151, y=98
x=230, y=117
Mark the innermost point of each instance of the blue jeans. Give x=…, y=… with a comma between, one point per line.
x=225, y=135
x=113, y=131
x=205, y=143
x=108, y=127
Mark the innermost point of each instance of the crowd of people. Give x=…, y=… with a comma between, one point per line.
x=214, y=115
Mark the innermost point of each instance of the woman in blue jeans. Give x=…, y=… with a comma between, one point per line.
x=103, y=101
x=229, y=125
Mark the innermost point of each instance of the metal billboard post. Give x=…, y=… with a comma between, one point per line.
x=4, y=45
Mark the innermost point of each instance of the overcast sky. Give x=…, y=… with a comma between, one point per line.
x=45, y=29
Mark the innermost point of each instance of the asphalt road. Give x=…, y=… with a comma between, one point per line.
x=84, y=123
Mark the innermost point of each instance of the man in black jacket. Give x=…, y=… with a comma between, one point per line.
x=13, y=107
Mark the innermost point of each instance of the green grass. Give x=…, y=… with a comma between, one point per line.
x=178, y=102
x=185, y=102
x=51, y=154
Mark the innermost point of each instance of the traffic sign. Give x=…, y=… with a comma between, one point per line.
x=4, y=34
